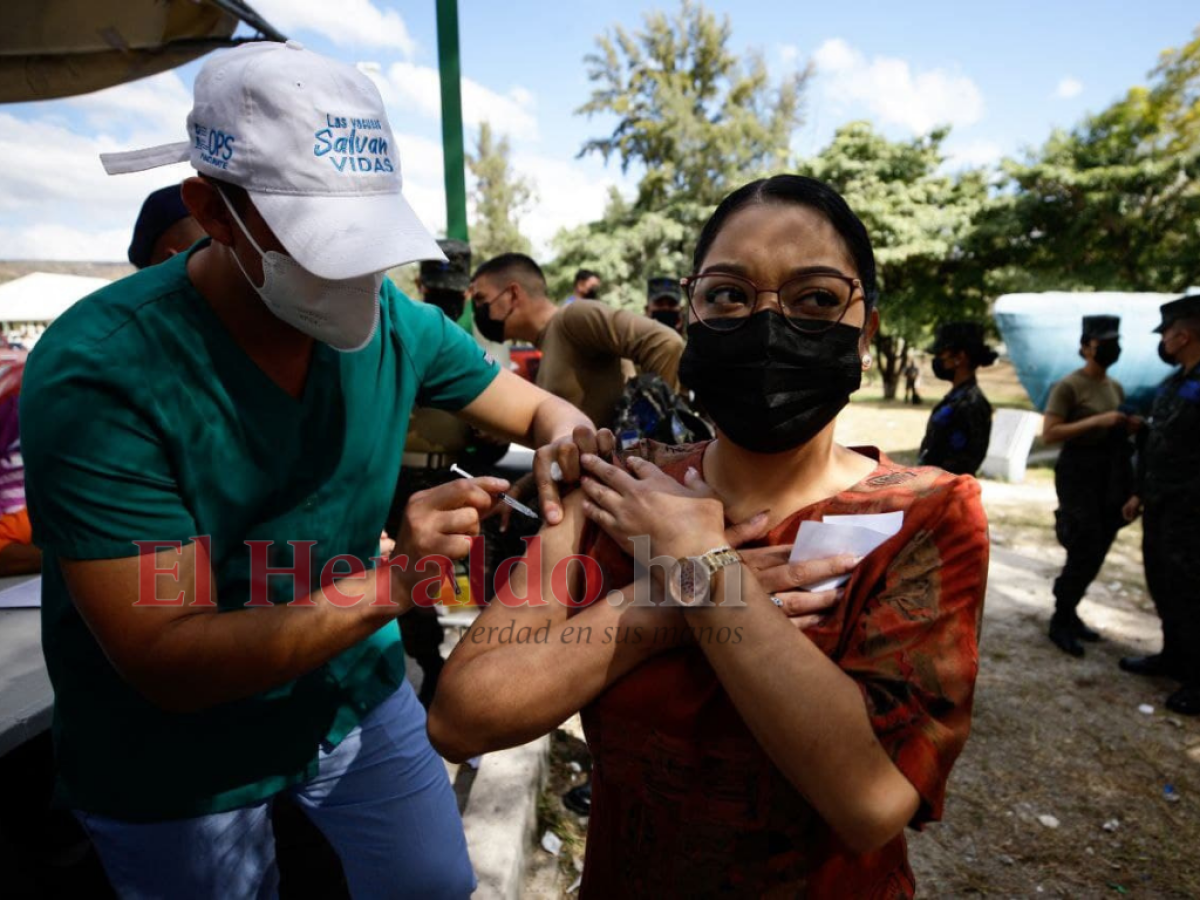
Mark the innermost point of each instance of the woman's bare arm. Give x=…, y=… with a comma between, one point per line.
x=522, y=669
x=809, y=717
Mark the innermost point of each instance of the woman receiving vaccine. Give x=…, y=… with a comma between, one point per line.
x=755, y=733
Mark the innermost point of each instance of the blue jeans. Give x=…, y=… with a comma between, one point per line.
x=381, y=797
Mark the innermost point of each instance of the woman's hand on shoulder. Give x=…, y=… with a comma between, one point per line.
x=642, y=501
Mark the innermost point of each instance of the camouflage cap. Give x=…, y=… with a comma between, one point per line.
x=662, y=286
x=452, y=275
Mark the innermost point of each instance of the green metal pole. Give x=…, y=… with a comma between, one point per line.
x=452, y=125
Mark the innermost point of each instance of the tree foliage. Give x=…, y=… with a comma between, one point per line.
x=689, y=112
x=695, y=122
x=500, y=197
x=626, y=248
x=918, y=217
x=1113, y=204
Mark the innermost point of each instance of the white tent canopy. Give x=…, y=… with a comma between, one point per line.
x=41, y=297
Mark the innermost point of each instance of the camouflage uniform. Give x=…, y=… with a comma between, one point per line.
x=1169, y=486
x=960, y=426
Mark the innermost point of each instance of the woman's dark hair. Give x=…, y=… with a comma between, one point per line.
x=802, y=191
x=982, y=356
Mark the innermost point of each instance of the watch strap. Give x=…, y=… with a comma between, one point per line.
x=718, y=558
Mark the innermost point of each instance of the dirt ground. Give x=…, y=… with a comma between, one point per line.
x=1075, y=781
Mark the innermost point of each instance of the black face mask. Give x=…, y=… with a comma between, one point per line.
x=941, y=370
x=769, y=387
x=668, y=317
x=449, y=302
x=491, y=329
x=1164, y=355
x=1107, y=353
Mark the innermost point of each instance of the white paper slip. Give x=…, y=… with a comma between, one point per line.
x=836, y=535
x=885, y=523
x=26, y=595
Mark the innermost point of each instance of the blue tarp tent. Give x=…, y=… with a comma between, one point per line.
x=1041, y=332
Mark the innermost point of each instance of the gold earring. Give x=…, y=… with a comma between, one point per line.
x=866, y=361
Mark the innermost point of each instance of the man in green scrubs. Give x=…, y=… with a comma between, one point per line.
x=208, y=477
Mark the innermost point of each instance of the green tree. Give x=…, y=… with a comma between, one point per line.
x=626, y=248
x=919, y=218
x=1113, y=204
x=695, y=118
x=694, y=122
x=500, y=196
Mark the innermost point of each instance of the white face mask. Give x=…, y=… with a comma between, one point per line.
x=342, y=314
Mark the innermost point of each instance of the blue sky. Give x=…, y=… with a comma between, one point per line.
x=1003, y=75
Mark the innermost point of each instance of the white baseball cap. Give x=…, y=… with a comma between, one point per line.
x=308, y=139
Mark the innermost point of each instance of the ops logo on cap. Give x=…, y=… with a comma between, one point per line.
x=215, y=145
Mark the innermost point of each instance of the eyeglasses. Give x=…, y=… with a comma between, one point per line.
x=812, y=303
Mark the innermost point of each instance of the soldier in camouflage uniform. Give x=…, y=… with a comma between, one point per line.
x=437, y=440
x=960, y=426
x=1169, y=493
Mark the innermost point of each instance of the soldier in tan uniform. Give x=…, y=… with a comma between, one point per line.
x=582, y=344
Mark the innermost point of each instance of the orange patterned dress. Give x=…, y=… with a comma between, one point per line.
x=686, y=804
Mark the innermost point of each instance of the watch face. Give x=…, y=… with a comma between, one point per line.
x=689, y=582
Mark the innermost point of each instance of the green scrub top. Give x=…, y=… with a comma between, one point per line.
x=142, y=420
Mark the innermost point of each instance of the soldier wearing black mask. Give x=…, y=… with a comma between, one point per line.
x=956, y=438
x=444, y=284
x=1168, y=458
x=663, y=296
x=1094, y=473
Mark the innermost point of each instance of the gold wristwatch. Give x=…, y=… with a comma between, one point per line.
x=689, y=582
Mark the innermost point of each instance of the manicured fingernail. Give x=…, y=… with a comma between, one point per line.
x=692, y=473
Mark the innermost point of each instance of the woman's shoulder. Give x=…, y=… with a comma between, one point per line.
x=920, y=485
x=671, y=458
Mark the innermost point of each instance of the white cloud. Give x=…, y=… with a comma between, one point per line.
x=895, y=94
x=56, y=202
x=422, y=171
x=569, y=193
x=409, y=88
x=47, y=164
x=352, y=23
x=154, y=110
x=64, y=242
x=1067, y=88
x=972, y=154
